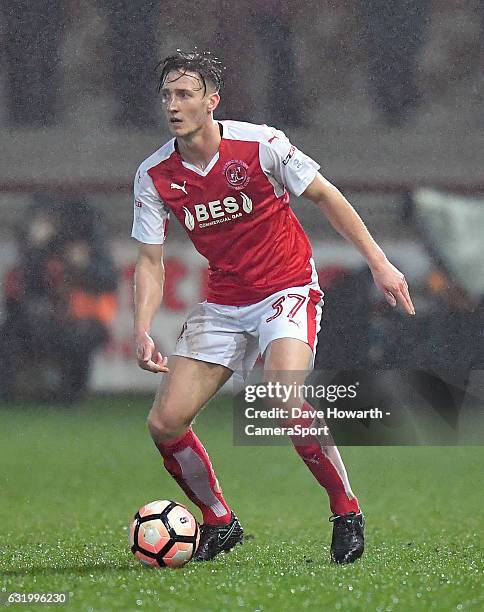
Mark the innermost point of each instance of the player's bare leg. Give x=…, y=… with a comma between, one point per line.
x=182, y=393
x=187, y=387
x=288, y=361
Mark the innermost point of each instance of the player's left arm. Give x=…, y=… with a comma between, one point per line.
x=346, y=221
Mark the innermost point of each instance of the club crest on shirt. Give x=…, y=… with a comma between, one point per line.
x=236, y=173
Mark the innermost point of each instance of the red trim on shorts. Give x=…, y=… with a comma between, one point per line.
x=314, y=299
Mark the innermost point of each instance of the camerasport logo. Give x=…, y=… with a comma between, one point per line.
x=217, y=211
x=236, y=173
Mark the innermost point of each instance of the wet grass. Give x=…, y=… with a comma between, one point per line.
x=71, y=479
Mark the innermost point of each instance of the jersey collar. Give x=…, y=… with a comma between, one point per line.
x=212, y=162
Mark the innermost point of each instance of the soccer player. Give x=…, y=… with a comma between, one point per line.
x=228, y=184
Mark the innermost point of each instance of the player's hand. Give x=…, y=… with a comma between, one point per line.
x=148, y=357
x=391, y=282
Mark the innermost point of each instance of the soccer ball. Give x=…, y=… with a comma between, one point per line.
x=164, y=534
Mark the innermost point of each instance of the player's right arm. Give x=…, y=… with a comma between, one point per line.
x=149, y=228
x=149, y=278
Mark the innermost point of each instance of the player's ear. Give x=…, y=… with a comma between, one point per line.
x=213, y=101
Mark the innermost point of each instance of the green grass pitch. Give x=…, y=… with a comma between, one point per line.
x=72, y=478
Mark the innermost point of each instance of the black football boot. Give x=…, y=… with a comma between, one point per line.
x=215, y=539
x=348, y=541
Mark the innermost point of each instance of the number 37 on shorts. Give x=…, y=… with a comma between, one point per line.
x=233, y=336
x=295, y=313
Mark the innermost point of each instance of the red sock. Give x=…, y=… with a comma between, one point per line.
x=188, y=462
x=328, y=468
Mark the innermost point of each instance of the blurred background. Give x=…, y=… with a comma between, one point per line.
x=387, y=96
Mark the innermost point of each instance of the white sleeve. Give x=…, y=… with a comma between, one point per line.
x=150, y=213
x=281, y=160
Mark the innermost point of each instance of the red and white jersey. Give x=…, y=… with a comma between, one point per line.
x=236, y=211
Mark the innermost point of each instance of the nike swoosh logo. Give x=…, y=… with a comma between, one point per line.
x=223, y=538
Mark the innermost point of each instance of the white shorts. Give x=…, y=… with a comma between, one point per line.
x=234, y=336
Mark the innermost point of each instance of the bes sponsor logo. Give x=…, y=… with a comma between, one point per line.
x=217, y=211
x=236, y=173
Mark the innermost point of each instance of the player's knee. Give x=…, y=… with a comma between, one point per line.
x=163, y=428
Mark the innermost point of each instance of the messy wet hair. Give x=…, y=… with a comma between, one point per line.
x=205, y=64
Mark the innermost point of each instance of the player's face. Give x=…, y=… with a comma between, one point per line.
x=186, y=105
